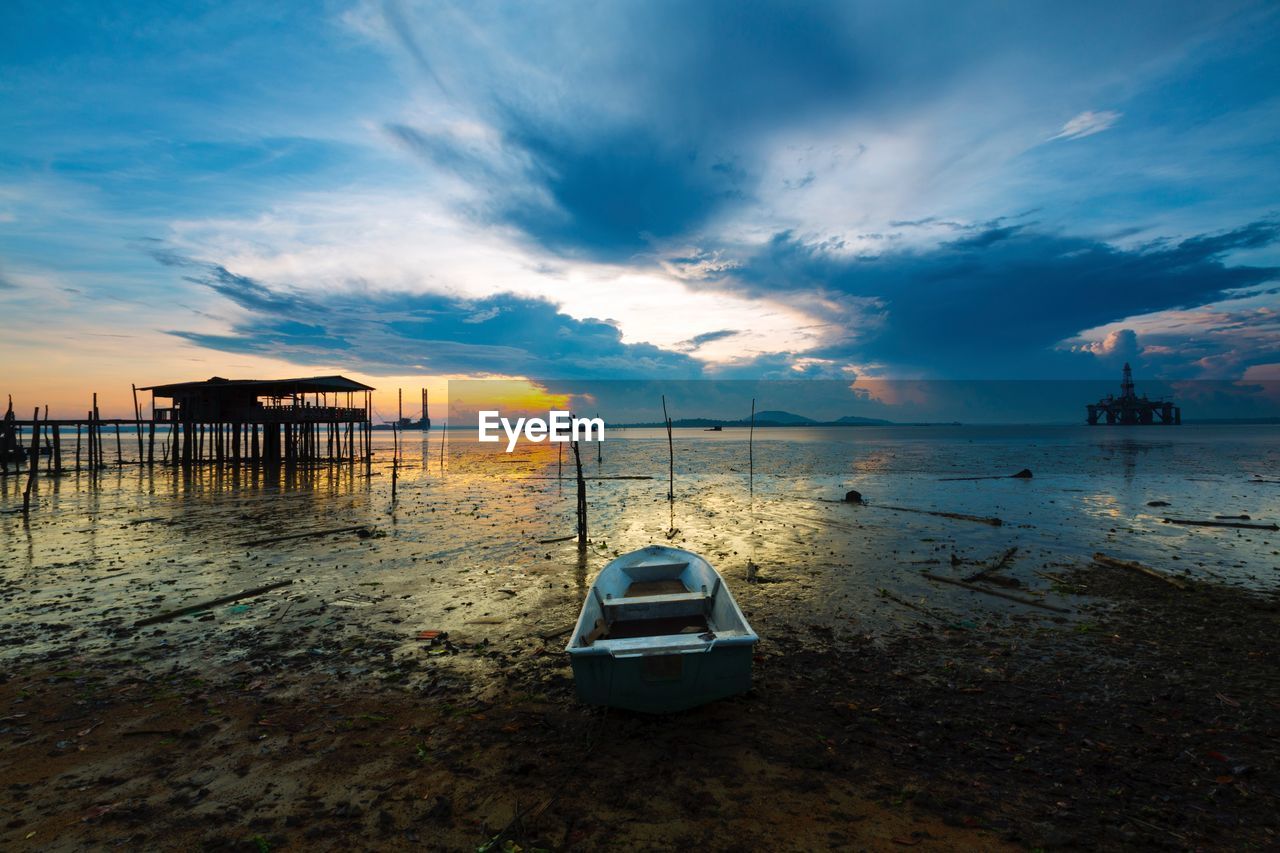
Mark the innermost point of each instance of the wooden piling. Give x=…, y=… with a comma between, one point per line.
x=582, y=498
x=33, y=467
x=395, y=458
x=48, y=440
x=671, y=454
x=137, y=420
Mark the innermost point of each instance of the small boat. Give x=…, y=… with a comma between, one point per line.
x=660, y=632
x=714, y=429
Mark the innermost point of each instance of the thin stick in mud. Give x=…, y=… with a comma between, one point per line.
x=997, y=593
x=205, y=605
x=1129, y=565
x=980, y=519
x=671, y=454
x=582, y=498
x=1246, y=526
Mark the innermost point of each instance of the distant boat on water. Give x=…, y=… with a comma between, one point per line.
x=660, y=632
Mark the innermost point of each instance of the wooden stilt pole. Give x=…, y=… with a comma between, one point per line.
x=395, y=459
x=671, y=454
x=582, y=499
x=137, y=420
x=48, y=440
x=33, y=466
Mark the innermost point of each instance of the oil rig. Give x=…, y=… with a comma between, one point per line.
x=1131, y=410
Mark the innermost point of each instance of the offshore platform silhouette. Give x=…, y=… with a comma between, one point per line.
x=1131, y=410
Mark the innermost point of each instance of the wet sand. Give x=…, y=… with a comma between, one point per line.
x=888, y=710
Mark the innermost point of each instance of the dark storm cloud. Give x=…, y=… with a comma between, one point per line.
x=1002, y=297
x=642, y=123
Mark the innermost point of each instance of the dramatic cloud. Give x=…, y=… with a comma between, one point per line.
x=1000, y=299
x=391, y=332
x=1119, y=345
x=1087, y=124
x=1228, y=340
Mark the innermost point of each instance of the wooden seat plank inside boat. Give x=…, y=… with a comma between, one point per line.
x=666, y=586
x=627, y=628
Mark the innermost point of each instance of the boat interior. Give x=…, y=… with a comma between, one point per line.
x=652, y=600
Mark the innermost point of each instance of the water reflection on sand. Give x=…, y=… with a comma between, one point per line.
x=463, y=547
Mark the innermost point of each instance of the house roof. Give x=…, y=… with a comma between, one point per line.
x=263, y=387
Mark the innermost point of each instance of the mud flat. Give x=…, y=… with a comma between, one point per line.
x=888, y=711
x=1151, y=722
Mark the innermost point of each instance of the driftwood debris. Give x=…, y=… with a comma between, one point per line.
x=1246, y=526
x=205, y=605
x=975, y=588
x=999, y=565
x=1024, y=474
x=590, y=477
x=363, y=530
x=1111, y=562
x=994, y=522
x=884, y=593
x=557, y=539
x=546, y=638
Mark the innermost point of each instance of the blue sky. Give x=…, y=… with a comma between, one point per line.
x=633, y=190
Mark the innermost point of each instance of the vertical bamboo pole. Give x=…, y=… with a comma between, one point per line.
x=57, y=449
x=97, y=441
x=137, y=419
x=48, y=440
x=151, y=433
x=33, y=467
x=77, y=445
x=582, y=499
x=671, y=454
x=751, y=451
